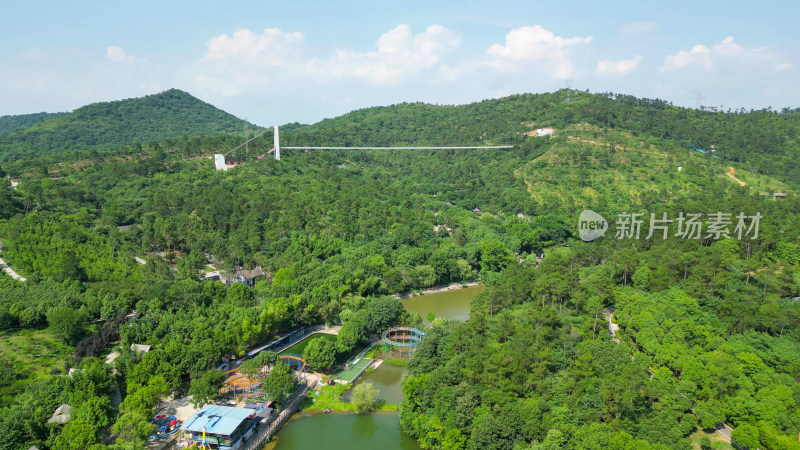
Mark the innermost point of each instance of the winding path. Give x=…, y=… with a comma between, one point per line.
x=9, y=270
x=732, y=174
x=612, y=327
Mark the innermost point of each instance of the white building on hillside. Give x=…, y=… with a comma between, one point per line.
x=221, y=164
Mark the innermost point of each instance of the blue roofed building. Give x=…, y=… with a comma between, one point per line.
x=226, y=428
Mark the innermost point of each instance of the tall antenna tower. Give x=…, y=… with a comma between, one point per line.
x=246, y=142
x=569, y=86
x=700, y=98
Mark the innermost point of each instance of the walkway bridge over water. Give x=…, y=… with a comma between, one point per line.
x=402, y=337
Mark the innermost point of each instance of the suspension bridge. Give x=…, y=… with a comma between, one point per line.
x=276, y=148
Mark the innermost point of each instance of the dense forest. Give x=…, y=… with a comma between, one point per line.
x=20, y=122
x=710, y=327
x=108, y=125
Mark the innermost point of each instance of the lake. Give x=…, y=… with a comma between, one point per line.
x=452, y=304
x=343, y=431
x=346, y=431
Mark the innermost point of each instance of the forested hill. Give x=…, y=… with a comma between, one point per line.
x=713, y=317
x=23, y=121
x=765, y=141
x=107, y=125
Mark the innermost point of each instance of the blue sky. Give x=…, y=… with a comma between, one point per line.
x=274, y=63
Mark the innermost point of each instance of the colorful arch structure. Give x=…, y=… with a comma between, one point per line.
x=403, y=337
x=241, y=386
x=300, y=364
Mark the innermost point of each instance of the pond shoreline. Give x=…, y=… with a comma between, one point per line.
x=436, y=290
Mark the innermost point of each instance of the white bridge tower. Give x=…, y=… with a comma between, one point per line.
x=276, y=141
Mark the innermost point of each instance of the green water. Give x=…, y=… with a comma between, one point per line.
x=387, y=379
x=343, y=431
x=449, y=304
x=347, y=431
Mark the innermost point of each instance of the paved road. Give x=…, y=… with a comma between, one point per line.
x=725, y=431
x=612, y=327
x=9, y=270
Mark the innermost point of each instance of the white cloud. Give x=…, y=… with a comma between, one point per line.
x=536, y=44
x=699, y=56
x=271, y=46
x=726, y=53
x=400, y=54
x=246, y=59
x=620, y=67
x=118, y=55
x=782, y=67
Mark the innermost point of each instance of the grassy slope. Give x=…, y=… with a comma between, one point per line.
x=580, y=168
x=39, y=351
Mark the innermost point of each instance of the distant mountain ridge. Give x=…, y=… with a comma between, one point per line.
x=167, y=115
x=765, y=141
x=19, y=122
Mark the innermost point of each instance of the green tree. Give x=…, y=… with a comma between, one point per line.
x=71, y=268
x=494, y=255
x=133, y=428
x=641, y=278
x=353, y=332
x=68, y=323
x=239, y=295
x=425, y=276
x=384, y=312
x=142, y=399
x=280, y=382
x=205, y=389
x=320, y=354
x=364, y=397
x=465, y=271
x=746, y=435
x=709, y=413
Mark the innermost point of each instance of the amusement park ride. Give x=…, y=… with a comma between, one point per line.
x=244, y=388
